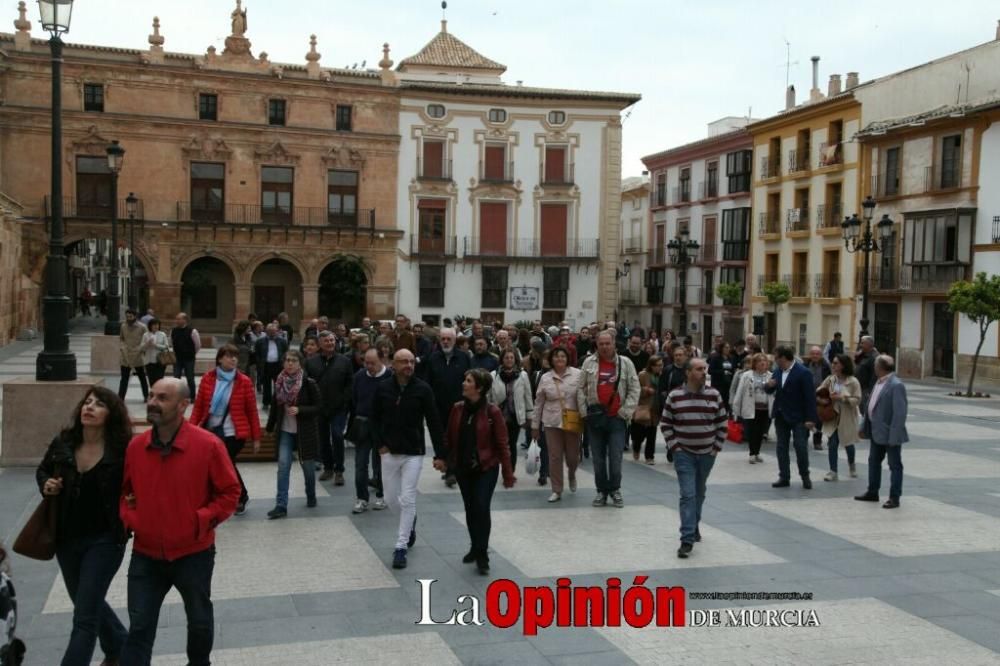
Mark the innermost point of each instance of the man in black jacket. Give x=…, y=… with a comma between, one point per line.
x=402, y=406
x=186, y=343
x=270, y=354
x=446, y=370
x=671, y=377
x=333, y=373
x=635, y=353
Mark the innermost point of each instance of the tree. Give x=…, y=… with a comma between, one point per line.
x=979, y=300
x=731, y=293
x=342, y=287
x=776, y=294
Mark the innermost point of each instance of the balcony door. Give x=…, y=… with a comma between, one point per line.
x=93, y=187
x=276, y=194
x=208, y=186
x=432, y=221
x=944, y=341
x=493, y=228
x=553, y=230
x=886, y=322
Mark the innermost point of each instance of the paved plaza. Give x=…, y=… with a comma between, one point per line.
x=918, y=585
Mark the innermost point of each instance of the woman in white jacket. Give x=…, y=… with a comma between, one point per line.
x=154, y=341
x=753, y=404
x=511, y=392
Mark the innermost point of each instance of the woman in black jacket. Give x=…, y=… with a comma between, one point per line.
x=83, y=467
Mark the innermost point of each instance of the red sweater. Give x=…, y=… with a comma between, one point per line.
x=242, y=405
x=179, y=498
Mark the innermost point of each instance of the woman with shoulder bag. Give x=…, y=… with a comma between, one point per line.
x=154, y=343
x=516, y=404
x=226, y=405
x=646, y=415
x=293, y=414
x=845, y=395
x=556, y=410
x=477, y=451
x=83, y=468
x=753, y=404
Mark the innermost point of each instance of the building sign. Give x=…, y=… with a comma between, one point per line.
x=524, y=298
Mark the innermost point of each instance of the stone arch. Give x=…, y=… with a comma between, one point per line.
x=339, y=296
x=208, y=292
x=276, y=286
x=181, y=263
x=320, y=266
x=288, y=257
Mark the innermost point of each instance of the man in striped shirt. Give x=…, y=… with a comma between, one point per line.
x=694, y=427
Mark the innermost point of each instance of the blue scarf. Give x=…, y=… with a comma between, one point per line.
x=223, y=391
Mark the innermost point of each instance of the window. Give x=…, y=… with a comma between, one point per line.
x=208, y=186
x=553, y=229
x=733, y=275
x=938, y=238
x=738, y=165
x=431, y=287
x=555, y=165
x=431, y=320
x=431, y=221
x=276, y=188
x=712, y=180
x=276, y=112
x=343, y=118
x=557, y=117
x=736, y=234
x=495, y=287
x=208, y=106
x=495, y=163
x=435, y=110
x=555, y=287
x=553, y=317
x=433, y=165
x=493, y=228
x=654, y=280
x=685, y=184
x=891, y=172
x=708, y=287
x=93, y=187
x=342, y=197
x=951, y=158
x=498, y=116
x=93, y=97
x=661, y=189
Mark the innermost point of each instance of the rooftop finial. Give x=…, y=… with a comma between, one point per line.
x=444, y=17
x=22, y=23
x=312, y=56
x=386, y=61
x=239, y=17
x=156, y=39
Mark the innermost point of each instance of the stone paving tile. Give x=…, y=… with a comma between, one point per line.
x=948, y=431
x=921, y=526
x=261, y=480
x=431, y=483
x=581, y=543
x=399, y=649
x=859, y=631
x=941, y=464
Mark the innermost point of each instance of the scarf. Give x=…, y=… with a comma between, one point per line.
x=223, y=391
x=287, y=387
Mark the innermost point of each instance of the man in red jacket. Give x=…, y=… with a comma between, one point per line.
x=179, y=485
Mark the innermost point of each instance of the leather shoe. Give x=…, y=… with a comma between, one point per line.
x=470, y=557
x=867, y=497
x=780, y=484
x=891, y=504
x=326, y=475
x=807, y=483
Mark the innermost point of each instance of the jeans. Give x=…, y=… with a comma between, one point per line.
x=755, y=429
x=692, y=474
x=149, y=581
x=331, y=441
x=644, y=433
x=799, y=436
x=477, y=495
x=233, y=448
x=832, y=444
x=362, y=454
x=155, y=372
x=875, y=456
x=607, y=445
x=140, y=372
x=400, y=475
x=88, y=565
x=287, y=442
x=513, y=432
x=187, y=367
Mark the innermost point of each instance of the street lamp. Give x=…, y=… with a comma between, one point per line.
x=56, y=363
x=857, y=241
x=624, y=270
x=116, y=157
x=131, y=206
x=682, y=252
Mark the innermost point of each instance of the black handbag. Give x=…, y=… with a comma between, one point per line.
x=360, y=430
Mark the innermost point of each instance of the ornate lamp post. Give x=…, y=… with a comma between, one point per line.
x=857, y=241
x=56, y=362
x=131, y=206
x=116, y=158
x=682, y=252
x=619, y=274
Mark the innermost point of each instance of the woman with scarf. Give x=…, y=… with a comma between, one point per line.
x=294, y=411
x=227, y=406
x=511, y=392
x=647, y=413
x=477, y=451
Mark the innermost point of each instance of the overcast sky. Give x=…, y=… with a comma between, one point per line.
x=692, y=62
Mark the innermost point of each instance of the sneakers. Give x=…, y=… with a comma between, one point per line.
x=651, y=461
x=241, y=508
x=616, y=499
x=555, y=497
x=600, y=500
x=338, y=479
x=311, y=503
x=830, y=476
x=360, y=506
x=572, y=485
x=326, y=475
x=413, y=534
x=753, y=461
x=378, y=504
x=483, y=564
x=807, y=483
x=277, y=512
x=758, y=459
x=399, y=558
x=684, y=550
x=854, y=471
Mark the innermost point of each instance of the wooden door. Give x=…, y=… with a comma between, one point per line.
x=493, y=228
x=555, y=164
x=495, y=158
x=268, y=302
x=553, y=230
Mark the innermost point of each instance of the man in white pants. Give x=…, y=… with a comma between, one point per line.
x=402, y=405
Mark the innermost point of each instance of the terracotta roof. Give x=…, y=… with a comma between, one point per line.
x=503, y=90
x=446, y=50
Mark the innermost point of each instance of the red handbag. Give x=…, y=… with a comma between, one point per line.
x=734, y=431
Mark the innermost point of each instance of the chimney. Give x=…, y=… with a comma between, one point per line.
x=815, y=62
x=834, y=87
x=790, y=98
x=852, y=80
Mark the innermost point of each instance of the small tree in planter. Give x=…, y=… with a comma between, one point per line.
x=776, y=293
x=979, y=300
x=731, y=294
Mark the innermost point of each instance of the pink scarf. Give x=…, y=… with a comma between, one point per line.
x=287, y=387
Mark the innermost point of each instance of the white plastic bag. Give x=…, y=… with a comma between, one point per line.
x=532, y=458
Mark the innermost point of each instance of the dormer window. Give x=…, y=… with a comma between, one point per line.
x=557, y=117
x=498, y=116
x=435, y=110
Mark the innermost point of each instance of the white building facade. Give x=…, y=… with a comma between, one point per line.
x=632, y=305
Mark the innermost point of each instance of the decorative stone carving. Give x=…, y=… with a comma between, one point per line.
x=342, y=156
x=205, y=148
x=22, y=38
x=276, y=153
x=92, y=144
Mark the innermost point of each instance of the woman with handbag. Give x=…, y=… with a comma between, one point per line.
x=82, y=472
x=227, y=406
x=516, y=405
x=155, y=350
x=556, y=410
x=647, y=413
x=753, y=404
x=477, y=451
x=843, y=392
x=294, y=412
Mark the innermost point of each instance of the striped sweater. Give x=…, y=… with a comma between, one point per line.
x=694, y=422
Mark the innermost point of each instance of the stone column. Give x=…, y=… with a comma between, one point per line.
x=310, y=303
x=165, y=299
x=244, y=291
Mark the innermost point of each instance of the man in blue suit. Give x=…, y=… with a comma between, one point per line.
x=885, y=426
x=794, y=414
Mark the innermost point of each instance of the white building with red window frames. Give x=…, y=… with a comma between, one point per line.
x=509, y=195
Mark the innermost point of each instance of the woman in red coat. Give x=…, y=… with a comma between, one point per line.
x=476, y=445
x=227, y=406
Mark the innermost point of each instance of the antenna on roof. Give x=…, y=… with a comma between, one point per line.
x=788, y=61
x=444, y=17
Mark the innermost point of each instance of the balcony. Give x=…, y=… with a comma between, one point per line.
x=888, y=185
x=709, y=189
x=256, y=214
x=682, y=193
x=488, y=175
x=765, y=279
x=443, y=247
x=937, y=179
x=797, y=219
x=557, y=177
x=827, y=285
x=735, y=250
x=830, y=154
x=770, y=223
x=659, y=197
x=573, y=249
x=657, y=256
x=931, y=278
x=770, y=168
x=996, y=229
x=880, y=279
x=632, y=246
x=630, y=297
x=706, y=254
x=435, y=171
x=92, y=210
x=829, y=216
x=798, y=283
x=798, y=161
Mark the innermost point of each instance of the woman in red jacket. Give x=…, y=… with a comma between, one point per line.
x=476, y=445
x=227, y=406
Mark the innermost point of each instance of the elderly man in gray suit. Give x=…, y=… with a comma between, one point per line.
x=885, y=426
